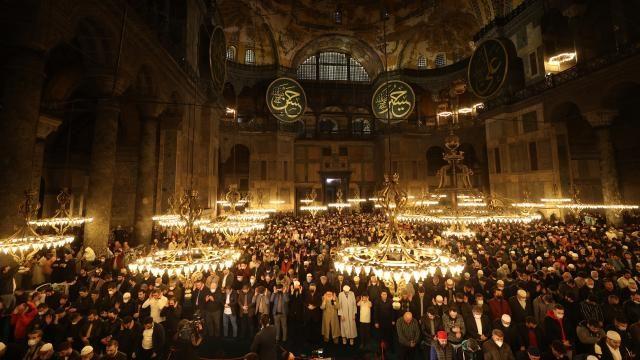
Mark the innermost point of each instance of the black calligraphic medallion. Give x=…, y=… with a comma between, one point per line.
x=394, y=100
x=217, y=58
x=488, y=68
x=286, y=99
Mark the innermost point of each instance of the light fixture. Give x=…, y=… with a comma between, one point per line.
x=445, y=113
x=235, y=224
x=456, y=204
x=190, y=255
x=562, y=58
x=311, y=207
x=26, y=242
x=62, y=219
x=257, y=198
x=465, y=110
x=339, y=204
x=394, y=259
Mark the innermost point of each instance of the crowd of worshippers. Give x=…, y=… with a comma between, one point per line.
x=546, y=290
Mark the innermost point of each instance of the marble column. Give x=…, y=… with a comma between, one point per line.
x=46, y=125
x=601, y=121
x=101, y=174
x=22, y=77
x=170, y=155
x=147, y=174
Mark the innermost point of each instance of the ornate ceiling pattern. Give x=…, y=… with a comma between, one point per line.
x=285, y=32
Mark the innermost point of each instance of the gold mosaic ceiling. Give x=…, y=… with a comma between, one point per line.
x=285, y=31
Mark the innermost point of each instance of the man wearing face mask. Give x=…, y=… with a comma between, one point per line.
x=510, y=332
x=496, y=349
x=556, y=327
x=312, y=313
x=621, y=326
x=34, y=343
x=419, y=303
x=127, y=305
x=478, y=325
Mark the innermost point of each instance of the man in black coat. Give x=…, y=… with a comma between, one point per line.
x=419, y=303
x=264, y=343
x=521, y=307
x=384, y=318
x=480, y=333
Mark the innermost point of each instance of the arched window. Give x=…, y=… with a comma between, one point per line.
x=231, y=53
x=332, y=66
x=441, y=60
x=361, y=126
x=422, y=62
x=249, y=57
x=337, y=16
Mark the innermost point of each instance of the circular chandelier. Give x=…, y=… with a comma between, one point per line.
x=339, y=204
x=190, y=256
x=235, y=224
x=62, y=220
x=258, y=198
x=172, y=219
x=455, y=203
x=311, y=206
x=394, y=259
x=573, y=204
x=26, y=242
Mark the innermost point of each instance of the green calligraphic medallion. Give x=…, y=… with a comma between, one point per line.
x=286, y=99
x=394, y=101
x=488, y=68
x=217, y=58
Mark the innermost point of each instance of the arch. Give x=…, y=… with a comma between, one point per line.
x=328, y=125
x=232, y=53
x=361, y=126
x=434, y=160
x=625, y=129
x=358, y=49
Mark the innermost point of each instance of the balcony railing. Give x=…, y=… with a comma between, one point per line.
x=552, y=81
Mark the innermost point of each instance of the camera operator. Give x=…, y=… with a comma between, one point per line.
x=187, y=338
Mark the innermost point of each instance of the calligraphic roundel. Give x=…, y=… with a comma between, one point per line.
x=217, y=58
x=488, y=68
x=393, y=101
x=286, y=99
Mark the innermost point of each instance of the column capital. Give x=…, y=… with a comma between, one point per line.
x=46, y=125
x=601, y=118
x=149, y=107
x=103, y=80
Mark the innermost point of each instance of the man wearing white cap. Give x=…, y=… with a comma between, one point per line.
x=45, y=352
x=611, y=347
x=521, y=307
x=347, y=314
x=87, y=353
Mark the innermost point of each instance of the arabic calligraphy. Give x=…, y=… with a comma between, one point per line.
x=488, y=68
x=393, y=101
x=286, y=99
x=217, y=54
